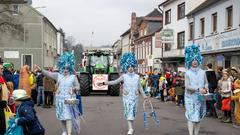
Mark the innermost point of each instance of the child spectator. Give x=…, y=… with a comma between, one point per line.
x=179, y=90
x=225, y=90
x=27, y=114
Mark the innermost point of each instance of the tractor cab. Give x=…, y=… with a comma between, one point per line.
x=98, y=67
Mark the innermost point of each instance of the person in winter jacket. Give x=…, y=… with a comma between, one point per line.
x=27, y=114
x=16, y=79
x=7, y=73
x=212, y=86
x=3, y=101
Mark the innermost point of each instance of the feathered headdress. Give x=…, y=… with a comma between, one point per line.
x=128, y=60
x=191, y=53
x=66, y=60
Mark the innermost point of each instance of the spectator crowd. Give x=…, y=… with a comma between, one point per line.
x=42, y=92
x=222, y=100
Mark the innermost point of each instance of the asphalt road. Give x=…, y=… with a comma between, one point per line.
x=104, y=116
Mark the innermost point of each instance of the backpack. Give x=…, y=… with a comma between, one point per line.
x=13, y=128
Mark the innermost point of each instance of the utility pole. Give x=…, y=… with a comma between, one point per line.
x=92, y=38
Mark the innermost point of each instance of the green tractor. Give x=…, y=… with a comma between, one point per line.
x=98, y=67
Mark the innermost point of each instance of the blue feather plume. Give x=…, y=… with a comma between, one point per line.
x=191, y=53
x=66, y=60
x=128, y=60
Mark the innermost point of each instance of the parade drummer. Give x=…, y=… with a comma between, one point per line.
x=131, y=87
x=196, y=86
x=66, y=83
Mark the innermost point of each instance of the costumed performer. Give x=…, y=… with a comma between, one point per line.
x=67, y=82
x=196, y=86
x=131, y=85
x=24, y=82
x=236, y=99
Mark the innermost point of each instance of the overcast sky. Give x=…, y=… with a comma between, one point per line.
x=108, y=19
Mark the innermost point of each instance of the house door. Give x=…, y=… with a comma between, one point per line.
x=27, y=60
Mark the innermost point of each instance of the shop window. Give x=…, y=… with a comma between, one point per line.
x=227, y=63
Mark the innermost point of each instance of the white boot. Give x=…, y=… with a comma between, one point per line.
x=196, y=128
x=190, y=127
x=64, y=133
x=130, y=127
x=130, y=131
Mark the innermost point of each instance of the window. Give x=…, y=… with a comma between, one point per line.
x=181, y=11
x=191, y=31
x=168, y=17
x=142, y=33
x=229, y=17
x=202, y=26
x=214, y=22
x=149, y=48
x=145, y=31
x=15, y=9
x=167, y=46
x=181, y=39
x=144, y=50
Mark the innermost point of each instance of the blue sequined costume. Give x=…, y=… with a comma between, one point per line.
x=195, y=79
x=194, y=102
x=131, y=85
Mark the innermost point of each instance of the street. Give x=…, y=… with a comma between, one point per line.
x=104, y=116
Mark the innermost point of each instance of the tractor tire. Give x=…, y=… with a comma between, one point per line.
x=114, y=90
x=84, y=81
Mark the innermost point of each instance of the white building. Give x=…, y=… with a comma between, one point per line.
x=215, y=26
x=117, y=48
x=125, y=40
x=174, y=18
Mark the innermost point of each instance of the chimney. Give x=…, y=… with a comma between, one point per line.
x=133, y=23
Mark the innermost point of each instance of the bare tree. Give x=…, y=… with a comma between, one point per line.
x=10, y=25
x=78, y=50
x=69, y=43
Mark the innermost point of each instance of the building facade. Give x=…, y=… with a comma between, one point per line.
x=143, y=40
x=26, y=36
x=174, y=19
x=215, y=26
x=117, y=49
x=125, y=41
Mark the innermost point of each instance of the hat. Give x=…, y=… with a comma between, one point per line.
x=162, y=78
x=7, y=65
x=20, y=94
x=236, y=91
